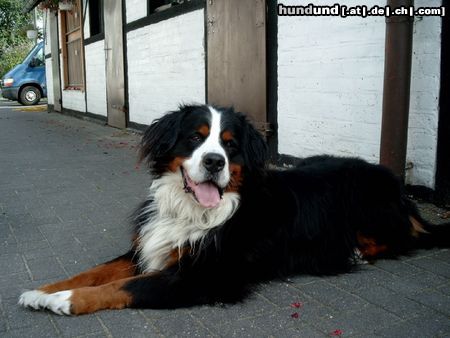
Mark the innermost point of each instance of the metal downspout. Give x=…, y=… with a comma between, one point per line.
x=396, y=89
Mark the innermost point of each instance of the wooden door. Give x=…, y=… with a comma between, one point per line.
x=115, y=78
x=236, y=57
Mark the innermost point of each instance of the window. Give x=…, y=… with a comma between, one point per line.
x=95, y=17
x=72, y=47
x=154, y=4
x=39, y=59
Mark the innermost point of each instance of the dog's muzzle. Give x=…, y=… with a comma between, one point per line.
x=207, y=193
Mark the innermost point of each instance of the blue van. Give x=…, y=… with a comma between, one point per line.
x=26, y=82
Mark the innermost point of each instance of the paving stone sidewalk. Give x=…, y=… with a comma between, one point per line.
x=66, y=189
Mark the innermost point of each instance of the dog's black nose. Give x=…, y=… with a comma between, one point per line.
x=213, y=162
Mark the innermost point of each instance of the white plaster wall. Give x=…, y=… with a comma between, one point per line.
x=95, y=78
x=424, y=103
x=166, y=66
x=73, y=99
x=330, y=84
x=49, y=80
x=135, y=9
x=330, y=79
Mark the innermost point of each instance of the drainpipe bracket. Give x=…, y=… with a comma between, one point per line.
x=399, y=19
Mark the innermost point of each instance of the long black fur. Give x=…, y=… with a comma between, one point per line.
x=302, y=220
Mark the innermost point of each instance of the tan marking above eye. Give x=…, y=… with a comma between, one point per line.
x=204, y=130
x=227, y=135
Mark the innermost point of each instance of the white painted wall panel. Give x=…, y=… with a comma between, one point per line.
x=49, y=80
x=166, y=66
x=95, y=78
x=330, y=78
x=330, y=83
x=74, y=100
x=424, y=103
x=136, y=9
x=48, y=62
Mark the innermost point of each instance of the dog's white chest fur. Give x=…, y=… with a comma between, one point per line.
x=177, y=220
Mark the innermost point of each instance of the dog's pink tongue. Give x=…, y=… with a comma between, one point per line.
x=207, y=194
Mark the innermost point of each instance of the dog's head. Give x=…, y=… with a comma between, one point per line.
x=212, y=149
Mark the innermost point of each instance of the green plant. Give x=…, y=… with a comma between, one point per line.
x=14, y=44
x=13, y=55
x=52, y=4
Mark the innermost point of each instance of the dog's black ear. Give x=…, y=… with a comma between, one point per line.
x=255, y=148
x=160, y=136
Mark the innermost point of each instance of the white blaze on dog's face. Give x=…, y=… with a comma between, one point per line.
x=207, y=170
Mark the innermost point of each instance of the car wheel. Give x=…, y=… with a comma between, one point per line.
x=29, y=96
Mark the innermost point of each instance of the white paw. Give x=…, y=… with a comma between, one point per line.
x=360, y=258
x=57, y=302
x=31, y=299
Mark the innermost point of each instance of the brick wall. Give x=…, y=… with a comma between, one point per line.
x=424, y=104
x=136, y=9
x=74, y=100
x=95, y=78
x=166, y=66
x=330, y=82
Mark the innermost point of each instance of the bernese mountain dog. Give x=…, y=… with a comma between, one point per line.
x=217, y=222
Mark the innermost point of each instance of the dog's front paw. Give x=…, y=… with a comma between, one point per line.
x=31, y=299
x=58, y=302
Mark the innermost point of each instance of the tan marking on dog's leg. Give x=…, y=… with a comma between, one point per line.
x=369, y=248
x=102, y=274
x=108, y=296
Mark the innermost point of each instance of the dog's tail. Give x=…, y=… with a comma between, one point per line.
x=428, y=235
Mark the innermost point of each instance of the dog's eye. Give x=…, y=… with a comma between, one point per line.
x=196, y=138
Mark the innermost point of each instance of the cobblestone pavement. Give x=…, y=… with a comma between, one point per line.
x=66, y=189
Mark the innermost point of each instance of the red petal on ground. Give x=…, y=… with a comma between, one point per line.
x=295, y=315
x=336, y=333
x=297, y=304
